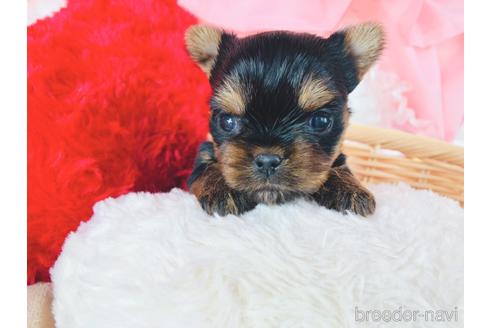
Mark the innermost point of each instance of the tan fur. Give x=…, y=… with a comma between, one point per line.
x=231, y=205
x=202, y=43
x=269, y=196
x=309, y=166
x=202, y=185
x=236, y=164
x=304, y=171
x=365, y=43
x=314, y=93
x=212, y=192
x=231, y=96
x=206, y=157
x=343, y=192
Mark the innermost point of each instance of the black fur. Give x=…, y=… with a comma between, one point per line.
x=274, y=65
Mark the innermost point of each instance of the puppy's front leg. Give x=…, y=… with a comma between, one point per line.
x=343, y=192
x=208, y=185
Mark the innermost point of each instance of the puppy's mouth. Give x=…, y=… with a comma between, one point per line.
x=274, y=183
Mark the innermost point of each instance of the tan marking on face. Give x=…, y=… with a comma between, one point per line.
x=303, y=171
x=237, y=159
x=236, y=164
x=308, y=166
x=314, y=93
x=231, y=96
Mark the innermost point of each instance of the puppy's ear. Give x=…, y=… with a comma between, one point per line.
x=204, y=43
x=361, y=46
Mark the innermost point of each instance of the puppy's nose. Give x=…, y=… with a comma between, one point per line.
x=267, y=163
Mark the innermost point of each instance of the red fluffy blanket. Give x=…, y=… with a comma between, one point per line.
x=114, y=105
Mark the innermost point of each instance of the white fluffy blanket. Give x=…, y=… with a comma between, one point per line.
x=157, y=260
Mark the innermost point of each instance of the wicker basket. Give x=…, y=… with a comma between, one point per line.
x=382, y=155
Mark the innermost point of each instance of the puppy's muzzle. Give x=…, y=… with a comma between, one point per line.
x=267, y=164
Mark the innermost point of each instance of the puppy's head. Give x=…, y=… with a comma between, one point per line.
x=279, y=103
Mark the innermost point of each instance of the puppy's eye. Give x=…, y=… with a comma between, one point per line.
x=320, y=122
x=228, y=123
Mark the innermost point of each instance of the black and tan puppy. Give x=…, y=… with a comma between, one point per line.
x=278, y=116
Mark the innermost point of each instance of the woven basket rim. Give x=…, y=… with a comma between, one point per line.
x=411, y=145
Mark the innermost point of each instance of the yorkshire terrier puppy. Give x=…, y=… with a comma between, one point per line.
x=278, y=116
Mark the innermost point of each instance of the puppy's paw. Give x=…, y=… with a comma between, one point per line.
x=215, y=196
x=343, y=192
x=343, y=198
x=358, y=201
x=224, y=202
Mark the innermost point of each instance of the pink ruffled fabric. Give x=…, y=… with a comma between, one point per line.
x=424, y=44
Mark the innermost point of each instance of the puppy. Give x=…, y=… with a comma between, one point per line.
x=278, y=116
